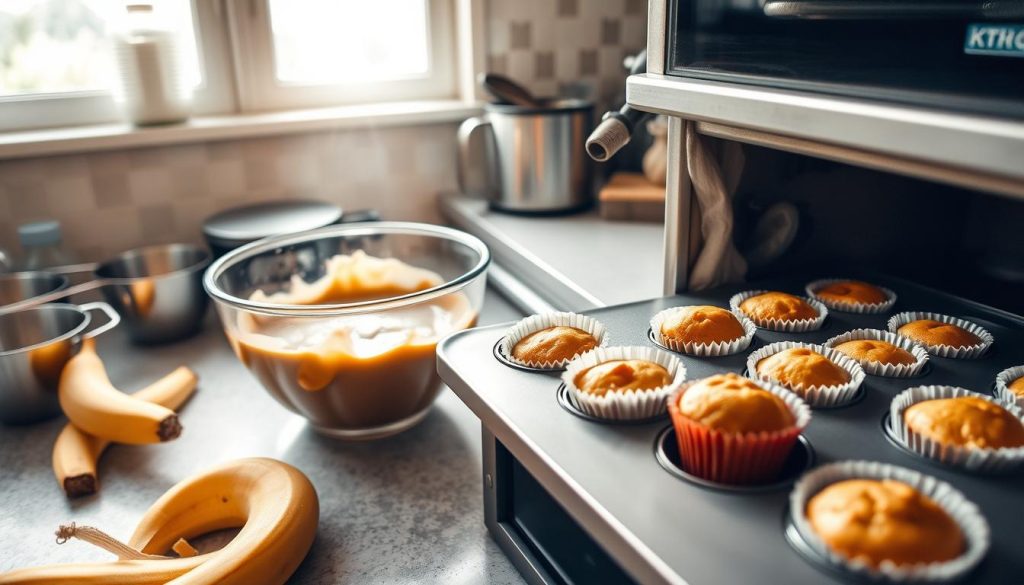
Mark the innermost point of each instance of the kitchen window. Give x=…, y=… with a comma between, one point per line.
x=304, y=53
x=57, y=64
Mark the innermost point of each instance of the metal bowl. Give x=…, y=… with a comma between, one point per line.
x=350, y=384
x=21, y=286
x=158, y=290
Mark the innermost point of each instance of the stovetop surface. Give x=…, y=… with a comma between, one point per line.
x=662, y=528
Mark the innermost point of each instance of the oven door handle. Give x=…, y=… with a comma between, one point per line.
x=936, y=9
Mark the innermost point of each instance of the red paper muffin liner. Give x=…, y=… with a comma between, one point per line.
x=729, y=457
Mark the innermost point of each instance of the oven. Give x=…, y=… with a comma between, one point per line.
x=873, y=140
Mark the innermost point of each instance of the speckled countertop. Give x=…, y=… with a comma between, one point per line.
x=407, y=509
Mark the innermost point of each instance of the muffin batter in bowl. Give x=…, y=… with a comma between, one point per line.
x=363, y=370
x=341, y=325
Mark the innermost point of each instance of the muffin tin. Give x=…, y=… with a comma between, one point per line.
x=617, y=481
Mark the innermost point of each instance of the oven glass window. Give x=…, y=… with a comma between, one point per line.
x=963, y=55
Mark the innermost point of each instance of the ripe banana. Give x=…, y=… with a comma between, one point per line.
x=76, y=452
x=275, y=505
x=95, y=406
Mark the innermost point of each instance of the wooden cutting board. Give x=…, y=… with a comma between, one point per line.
x=631, y=197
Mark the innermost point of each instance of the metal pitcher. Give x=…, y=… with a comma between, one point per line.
x=536, y=161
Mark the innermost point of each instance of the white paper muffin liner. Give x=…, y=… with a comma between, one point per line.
x=947, y=351
x=795, y=326
x=1003, y=380
x=850, y=307
x=535, y=323
x=619, y=405
x=969, y=458
x=815, y=396
x=965, y=513
x=878, y=368
x=704, y=349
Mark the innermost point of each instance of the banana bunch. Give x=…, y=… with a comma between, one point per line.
x=101, y=414
x=273, y=503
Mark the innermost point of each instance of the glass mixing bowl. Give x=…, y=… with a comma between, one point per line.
x=359, y=369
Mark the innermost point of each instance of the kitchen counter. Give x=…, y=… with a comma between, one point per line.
x=574, y=262
x=400, y=510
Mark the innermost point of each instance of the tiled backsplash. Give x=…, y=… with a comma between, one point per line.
x=115, y=200
x=566, y=47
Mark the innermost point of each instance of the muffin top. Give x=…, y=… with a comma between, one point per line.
x=732, y=404
x=777, y=305
x=1017, y=386
x=802, y=367
x=931, y=332
x=884, y=520
x=554, y=344
x=622, y=376
x=852, y=291
x=876, y=350
x=702, y=324
x=967, y=421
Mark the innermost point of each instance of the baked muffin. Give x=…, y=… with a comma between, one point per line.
x=778, y=306
x=884, y=520
x=701, y=324
x=876, y=350
x=931, y=332
x=802, y=367
x=736, y=431
x=622, y=376
x=966, y=421
x=553, y=344
x=732, y=404
x=852, y=292
x=1017, y=387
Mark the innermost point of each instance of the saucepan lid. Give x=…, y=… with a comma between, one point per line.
x=238, y=226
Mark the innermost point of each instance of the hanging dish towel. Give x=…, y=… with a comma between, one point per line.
x=717, y=261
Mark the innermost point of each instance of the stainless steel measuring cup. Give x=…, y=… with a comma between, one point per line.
x=158, y=290
x=35, y=343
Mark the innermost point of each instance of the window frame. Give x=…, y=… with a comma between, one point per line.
x=259, y=90
x=214, y=95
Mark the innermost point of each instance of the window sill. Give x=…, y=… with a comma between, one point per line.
x=51, y=141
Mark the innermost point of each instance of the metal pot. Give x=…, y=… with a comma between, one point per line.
x=21, y=286
x=158, y=290
x=536, y=161
x=35, y=343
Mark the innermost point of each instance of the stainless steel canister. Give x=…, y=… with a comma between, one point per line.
x=536, y=161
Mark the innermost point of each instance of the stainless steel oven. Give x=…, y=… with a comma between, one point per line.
x=888, y=139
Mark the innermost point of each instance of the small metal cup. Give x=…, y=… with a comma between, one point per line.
x=20, y=286
x=536, y=158
x=158, y=290
x=35, y=344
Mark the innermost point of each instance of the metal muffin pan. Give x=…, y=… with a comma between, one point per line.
x=663, y=530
